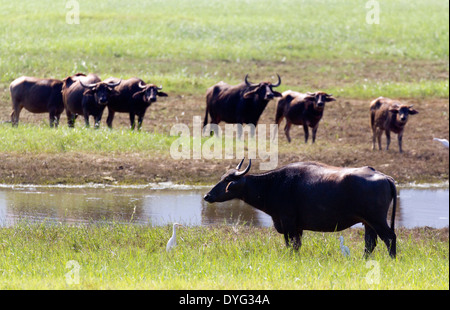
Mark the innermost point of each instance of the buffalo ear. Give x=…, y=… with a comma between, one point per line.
x=139, y=94
x=310, y=98
x=330, y=99
x=230, y=184
x=412, y=111
x=89, y=91
x=393, y=109
x=250, y=94
x=162, y=94
x=277, y=94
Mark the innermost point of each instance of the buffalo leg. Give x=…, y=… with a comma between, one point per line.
x=97, y=121
x=57, y=117
x=86, y=119
x=379, y=133
x=140, y=120
x=400, y=138
x=370, y=238
x=15, y=115
x=314, y=131
x=52, y=119
x=388, y=236
x=374, y=138
x=306, y=130
x=110, y=118
x=132, y=120
x=70, y=119
x=388, y=138
x=287, y=128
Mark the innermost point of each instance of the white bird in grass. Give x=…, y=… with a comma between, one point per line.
x=443, y=141
x=344, y=249
x=173, y=240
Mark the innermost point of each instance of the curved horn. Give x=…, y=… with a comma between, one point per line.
x=249, y=83
x=141, y=86
x=88, y=85
x=329, y=95
x=114, y=84
x=240, y=164
x=279, y=82
x=242, y=173
x=310, y=94
x=159, y=88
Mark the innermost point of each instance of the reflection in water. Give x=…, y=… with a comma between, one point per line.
x=417, y=207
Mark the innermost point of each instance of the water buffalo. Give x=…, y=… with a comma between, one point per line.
x=302, y=109
x=77, y=102
x=36, y=96
x=388, y=115
x=239, y=104
x=133, y=96
x=313, y=196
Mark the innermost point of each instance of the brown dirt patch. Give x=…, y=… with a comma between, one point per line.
x=344, y=139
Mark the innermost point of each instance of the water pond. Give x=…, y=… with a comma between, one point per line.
x=163, y=204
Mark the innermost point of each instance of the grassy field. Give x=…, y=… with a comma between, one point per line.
x=117, y=256
x=187, y=46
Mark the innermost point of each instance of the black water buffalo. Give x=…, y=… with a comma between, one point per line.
x=238, y=104
x=302, y=109
x=313, y=196
x=388, y=115
x=78, y=103
x=36, y=96
x=132, y=96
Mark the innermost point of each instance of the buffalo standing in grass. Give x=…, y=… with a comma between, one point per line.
x=76, y=102
x=302, y=109
x=132, y=96
x=389, y=115
x=36, y=96
x=313, y=196
x=239, y=104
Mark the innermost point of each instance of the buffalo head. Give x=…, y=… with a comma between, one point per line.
x=319, y=99
x=230, y=186
x=149, y=92
x=263, y=90
x=101, y=90
x=402, y=111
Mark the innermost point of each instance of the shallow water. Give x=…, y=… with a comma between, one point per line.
x=160, y=205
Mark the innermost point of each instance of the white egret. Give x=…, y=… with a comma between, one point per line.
x=173, y=240
x=344, y=249
x=443, y=141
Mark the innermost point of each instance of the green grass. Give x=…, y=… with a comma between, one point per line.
x=43, y=139
x=116, y=256
x=187, y=47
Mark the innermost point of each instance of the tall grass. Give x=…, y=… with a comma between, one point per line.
x=116, y=256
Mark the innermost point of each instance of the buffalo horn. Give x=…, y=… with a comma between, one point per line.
x=249, y=84
x=88, y=85
x=242, y=173
x=240, y=164
x=114, y=84
x=279, y=82
x=141, y=86
x=159, y=88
